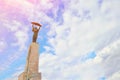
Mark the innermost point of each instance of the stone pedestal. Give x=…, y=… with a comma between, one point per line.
x=32, y=64
x=22, y=76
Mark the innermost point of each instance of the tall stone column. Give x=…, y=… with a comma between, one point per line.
x=32, y=64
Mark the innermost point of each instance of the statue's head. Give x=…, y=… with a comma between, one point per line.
x=35, y=29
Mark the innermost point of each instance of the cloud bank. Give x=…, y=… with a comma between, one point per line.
x=75, y=30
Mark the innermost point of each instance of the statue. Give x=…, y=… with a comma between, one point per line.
x=31, y=71
x=35, y=28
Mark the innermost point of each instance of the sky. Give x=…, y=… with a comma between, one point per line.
x=79, y=39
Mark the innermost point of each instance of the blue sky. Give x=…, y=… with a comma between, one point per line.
x=79, y=39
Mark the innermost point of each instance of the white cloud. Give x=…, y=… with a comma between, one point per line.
x=78, y=35
x=115, y=76
x=12, y=36
x=86, y=27
x=13, y=25
x=104, y=64
x=3, y=45
x=110, y=58
x=19, y=33
x=14, y=76
x=22, y=38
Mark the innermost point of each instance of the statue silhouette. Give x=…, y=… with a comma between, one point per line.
x=35, y=30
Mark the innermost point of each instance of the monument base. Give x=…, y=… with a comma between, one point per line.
x=22, y=76
x=34, y=76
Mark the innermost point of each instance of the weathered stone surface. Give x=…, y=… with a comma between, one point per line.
x=22, y=76
x=36, y=76
x=31, y=69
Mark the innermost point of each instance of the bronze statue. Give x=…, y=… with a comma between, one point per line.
x=35, y=28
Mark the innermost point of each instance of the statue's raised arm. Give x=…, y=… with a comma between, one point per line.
x=37, y=24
